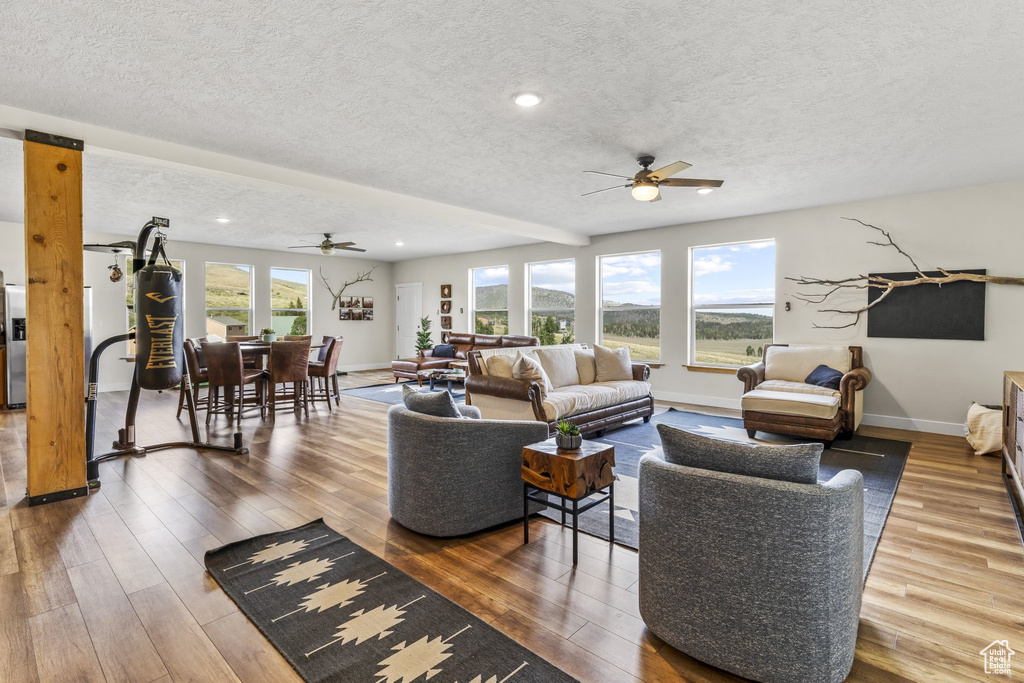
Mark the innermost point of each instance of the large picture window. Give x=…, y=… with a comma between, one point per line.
x=289, y=300
x=490, y=300
x=552, y=299
x=631, y=303
x=228, y=299
x=732, y=302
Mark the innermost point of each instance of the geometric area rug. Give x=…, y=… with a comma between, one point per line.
x=881, y=461
x=337, y=612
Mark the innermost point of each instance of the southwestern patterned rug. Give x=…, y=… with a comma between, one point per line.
x=881, y=462
x=339, y=613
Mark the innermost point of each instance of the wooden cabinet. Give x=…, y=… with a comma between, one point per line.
x=1013, y=434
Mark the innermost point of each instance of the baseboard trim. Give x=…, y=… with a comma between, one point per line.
x=915, y=425
x=696, y=399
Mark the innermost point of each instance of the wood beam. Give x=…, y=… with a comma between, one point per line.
x=54, y=286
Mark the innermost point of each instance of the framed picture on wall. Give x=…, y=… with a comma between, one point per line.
x=367, y=302
x=357, y=314
x=446, y=307
x=345, y=314
x=446, y=291
x=446, y=322
x=367, y=314
x=444, y=337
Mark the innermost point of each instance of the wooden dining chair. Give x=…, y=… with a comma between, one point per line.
x=196, y=365
x=224, y=369
x=323, y=374
x=288, y=365
x=296, y=337
x=252, y=362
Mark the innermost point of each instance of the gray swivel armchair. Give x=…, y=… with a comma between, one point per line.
x=451, y=476
x=753, y=575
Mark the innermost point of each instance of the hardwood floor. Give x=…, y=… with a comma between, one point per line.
x=113, y=587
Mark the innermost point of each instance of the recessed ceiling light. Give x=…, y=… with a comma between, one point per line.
x=527, y=99
x=705, y=190
x=398, y=244
x=223, y=220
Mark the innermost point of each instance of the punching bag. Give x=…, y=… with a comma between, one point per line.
x=159, y=354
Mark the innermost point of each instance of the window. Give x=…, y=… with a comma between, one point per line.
x=732, y=302
x=553, y=301
x=490, y=300
x=129, y=276
x=289, y=300
x=228, y=299
x=631, y=303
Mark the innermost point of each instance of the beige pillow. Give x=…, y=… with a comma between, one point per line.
x=560, y=365
x=500, y=365
x=794, y=363
x=529, y=369
x=984, y=429
x=612, y=364
x=585, y=366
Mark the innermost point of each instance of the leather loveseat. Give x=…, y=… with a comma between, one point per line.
x=407, y=368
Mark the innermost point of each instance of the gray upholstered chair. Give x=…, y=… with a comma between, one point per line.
x=451, y=476
x=756, y=576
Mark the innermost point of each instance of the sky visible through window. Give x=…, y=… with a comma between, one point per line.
x=632, y=279
x=557, y=275
x=734, y=274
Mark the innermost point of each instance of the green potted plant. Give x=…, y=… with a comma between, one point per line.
x=269, y=335
x=567, y=436
x=423, y=340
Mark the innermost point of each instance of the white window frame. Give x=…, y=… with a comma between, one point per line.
x=601, y=308
x=308, y=311
x=472, y=296
x=252, y=286
x=718, y=307
x=529, y=294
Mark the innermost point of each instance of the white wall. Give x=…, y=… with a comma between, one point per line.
x=368, y=344
x=919, y=384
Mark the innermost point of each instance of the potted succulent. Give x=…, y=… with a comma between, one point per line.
x=567, y=436
x=269, y=335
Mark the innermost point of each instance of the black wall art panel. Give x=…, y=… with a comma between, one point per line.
x=953, y=311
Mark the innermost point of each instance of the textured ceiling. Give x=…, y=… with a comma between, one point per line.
x=792, y=104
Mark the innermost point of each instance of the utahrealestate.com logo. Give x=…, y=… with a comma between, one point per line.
x=997, y=657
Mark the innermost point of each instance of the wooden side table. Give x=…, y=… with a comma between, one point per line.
x=570, y=475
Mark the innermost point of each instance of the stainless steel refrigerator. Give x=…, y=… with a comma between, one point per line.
x=16, y=325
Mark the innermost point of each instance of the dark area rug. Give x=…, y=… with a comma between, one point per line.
x=881, y=462
x=392, y=393
x=339, y=613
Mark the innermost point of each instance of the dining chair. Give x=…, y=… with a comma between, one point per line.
x=322, y=370
x=252, y=362
x=296, y=337
x=288, y=365
x=224, y=369
x=197, y=374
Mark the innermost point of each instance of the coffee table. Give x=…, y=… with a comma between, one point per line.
x=441, y=374
x=572, y=476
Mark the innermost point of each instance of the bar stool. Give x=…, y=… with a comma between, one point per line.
x=288, y=365
x=197, y=375
x=224, y=369
x=253, y=362
x=322, y=369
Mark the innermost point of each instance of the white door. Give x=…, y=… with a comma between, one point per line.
x=409, y=310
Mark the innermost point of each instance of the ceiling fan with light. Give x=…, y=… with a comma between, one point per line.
x=329, y=246
x=646, y=183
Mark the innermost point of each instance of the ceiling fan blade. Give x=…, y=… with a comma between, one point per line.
x=657, y=198
x=342, y=245
x=307, y=246
x=351, y=248
x=616, y=187
x=610, y=175
x=670, y=170
x=690, y=182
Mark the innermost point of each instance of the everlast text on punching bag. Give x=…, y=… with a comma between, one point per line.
x=159, y=356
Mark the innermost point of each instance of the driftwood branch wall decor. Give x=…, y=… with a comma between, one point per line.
x=819, y=290
x=335, y=296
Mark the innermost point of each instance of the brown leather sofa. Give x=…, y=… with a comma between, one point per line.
x=408, y=368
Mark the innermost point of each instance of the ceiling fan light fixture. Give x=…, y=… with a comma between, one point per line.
x=327, y=251
x=705, y=190
x=223, y=220
x=527, y=99
x=644, y=192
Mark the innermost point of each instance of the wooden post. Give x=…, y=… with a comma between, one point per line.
x=55, y=407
